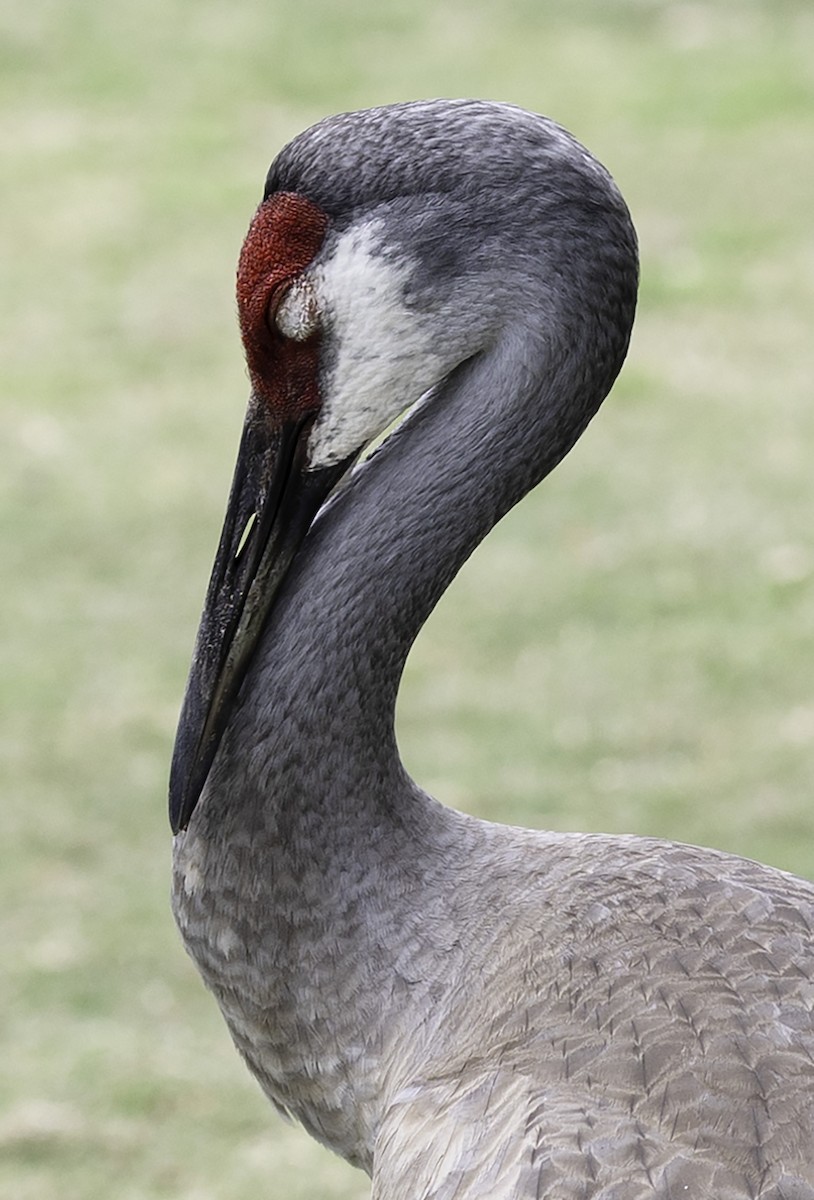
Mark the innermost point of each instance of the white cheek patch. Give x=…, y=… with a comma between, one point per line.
x=385, y=355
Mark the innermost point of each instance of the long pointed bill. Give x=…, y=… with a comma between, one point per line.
x=274, y=499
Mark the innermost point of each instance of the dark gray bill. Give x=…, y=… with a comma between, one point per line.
x=274, y=499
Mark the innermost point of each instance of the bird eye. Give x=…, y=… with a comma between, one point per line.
x=295, y=314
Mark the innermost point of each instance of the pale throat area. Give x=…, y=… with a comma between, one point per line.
x=384, y=355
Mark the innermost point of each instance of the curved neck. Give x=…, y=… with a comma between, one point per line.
x=326, y=676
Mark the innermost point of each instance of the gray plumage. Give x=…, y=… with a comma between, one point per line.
x=465, y=1009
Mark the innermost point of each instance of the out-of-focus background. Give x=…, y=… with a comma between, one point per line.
x=631, y=650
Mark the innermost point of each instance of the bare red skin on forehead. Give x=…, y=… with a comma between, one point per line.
x=285, y=234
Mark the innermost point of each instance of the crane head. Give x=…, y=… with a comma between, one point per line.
x=394, y=246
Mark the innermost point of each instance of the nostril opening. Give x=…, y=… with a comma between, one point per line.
x=245, y=535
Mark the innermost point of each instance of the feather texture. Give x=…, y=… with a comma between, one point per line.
x=463, y=1009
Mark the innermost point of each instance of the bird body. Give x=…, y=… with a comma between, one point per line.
x=460, y=1008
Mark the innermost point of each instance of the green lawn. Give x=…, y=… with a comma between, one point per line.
x=631, y=650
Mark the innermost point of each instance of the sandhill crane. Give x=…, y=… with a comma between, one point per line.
x=460, y=1008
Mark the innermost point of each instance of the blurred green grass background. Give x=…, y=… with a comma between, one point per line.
x=631, y=650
